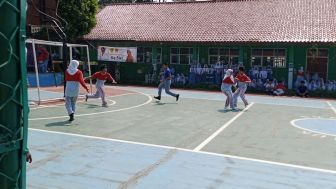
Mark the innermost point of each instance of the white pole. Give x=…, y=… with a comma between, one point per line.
x=70, y=53
x=36, y=73
x=88, y=59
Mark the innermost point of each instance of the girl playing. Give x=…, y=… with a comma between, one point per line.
x=227, y=84
x=73, y=77
x=101, y=77
x=242, y=80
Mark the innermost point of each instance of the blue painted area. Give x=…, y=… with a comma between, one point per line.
x=45, y=95
x=298, y=102
x=318, y=125
x=75, y=162
x=45, y=79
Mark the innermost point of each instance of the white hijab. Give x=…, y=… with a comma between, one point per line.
x=228, y=73
x=72, y=69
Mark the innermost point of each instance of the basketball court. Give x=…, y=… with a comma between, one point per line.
x=138, y=142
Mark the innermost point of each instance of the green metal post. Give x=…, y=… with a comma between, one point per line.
x=13, y=94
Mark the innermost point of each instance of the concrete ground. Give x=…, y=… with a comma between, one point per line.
x=138, y=142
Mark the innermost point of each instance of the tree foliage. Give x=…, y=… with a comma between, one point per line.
x=80, y=15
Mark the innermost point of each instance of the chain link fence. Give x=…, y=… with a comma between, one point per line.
x=13, y=94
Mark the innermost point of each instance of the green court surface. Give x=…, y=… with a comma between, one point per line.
x=197, y=123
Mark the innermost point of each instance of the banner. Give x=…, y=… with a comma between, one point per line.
x=117, y=54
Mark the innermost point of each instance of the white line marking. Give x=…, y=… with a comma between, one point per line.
x=298, y=100
x=113, y=102
x=263, y=103
x=42, y=90
x=332, y=107
x=192, y=151
x=97, y=113
x=309, y=130
x=81, y=101
x=210, y=138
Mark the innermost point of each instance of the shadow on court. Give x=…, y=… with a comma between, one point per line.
x=60, y=124
x=165, y=103
x=229, y=110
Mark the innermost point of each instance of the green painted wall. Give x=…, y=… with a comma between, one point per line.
x=295, y=54
x=332, y=63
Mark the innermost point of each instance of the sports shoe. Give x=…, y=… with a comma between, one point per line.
x=226, y=108
x=157, y=97
x=71, y=117
x=86, y=98
x=105, y=105
x=177, y=97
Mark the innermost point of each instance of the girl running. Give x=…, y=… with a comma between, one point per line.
x=73, y=77
x=242, y=80
x=101, y=77
x=227, y=83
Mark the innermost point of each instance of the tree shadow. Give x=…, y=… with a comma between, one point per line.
x=60, y=124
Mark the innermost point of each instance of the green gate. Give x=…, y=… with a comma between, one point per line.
x=13, y=94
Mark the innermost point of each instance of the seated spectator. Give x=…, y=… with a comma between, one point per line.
x=183, y=79
x=263, y=73
x=313, y=86
x=280, y=89
x=302, y=90
x=330, y=85
x=269, y=86
x=260, y=84
x=253, y=84
x=300, y=76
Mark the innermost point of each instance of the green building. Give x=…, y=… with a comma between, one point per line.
x=283, y=35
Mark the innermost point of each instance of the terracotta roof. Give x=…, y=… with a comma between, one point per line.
x=226, y=21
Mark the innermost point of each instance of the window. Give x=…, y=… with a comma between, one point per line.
x=181, y=55
x=269, y=57
x=317, y=62
x=144, y=54
x=223, y=55
x=158, y=55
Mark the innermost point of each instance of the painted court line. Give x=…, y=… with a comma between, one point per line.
x=192, y=151
x=97, y=113
x=210, y=138
x=293, y=123
x=332, y=107
x=263, y=103
x=80, y=101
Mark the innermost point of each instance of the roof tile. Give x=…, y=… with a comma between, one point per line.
x=226, y=21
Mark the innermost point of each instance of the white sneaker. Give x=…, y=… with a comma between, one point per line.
x=226, y=108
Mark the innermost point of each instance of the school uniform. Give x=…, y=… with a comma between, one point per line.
x=73, y=78
x=242, y=81
x=165, y=83
x=226, y=88
x=100, y=80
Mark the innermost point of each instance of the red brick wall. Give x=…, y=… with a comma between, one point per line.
x=34, y=17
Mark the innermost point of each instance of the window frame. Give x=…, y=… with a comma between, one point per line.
x=191, y=52
x=275, y=56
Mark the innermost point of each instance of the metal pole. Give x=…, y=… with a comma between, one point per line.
x=64, y=67
x=89, y=64
x=70, y=53
x=36, y=73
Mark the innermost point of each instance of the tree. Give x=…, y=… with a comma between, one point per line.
x=80, y=15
